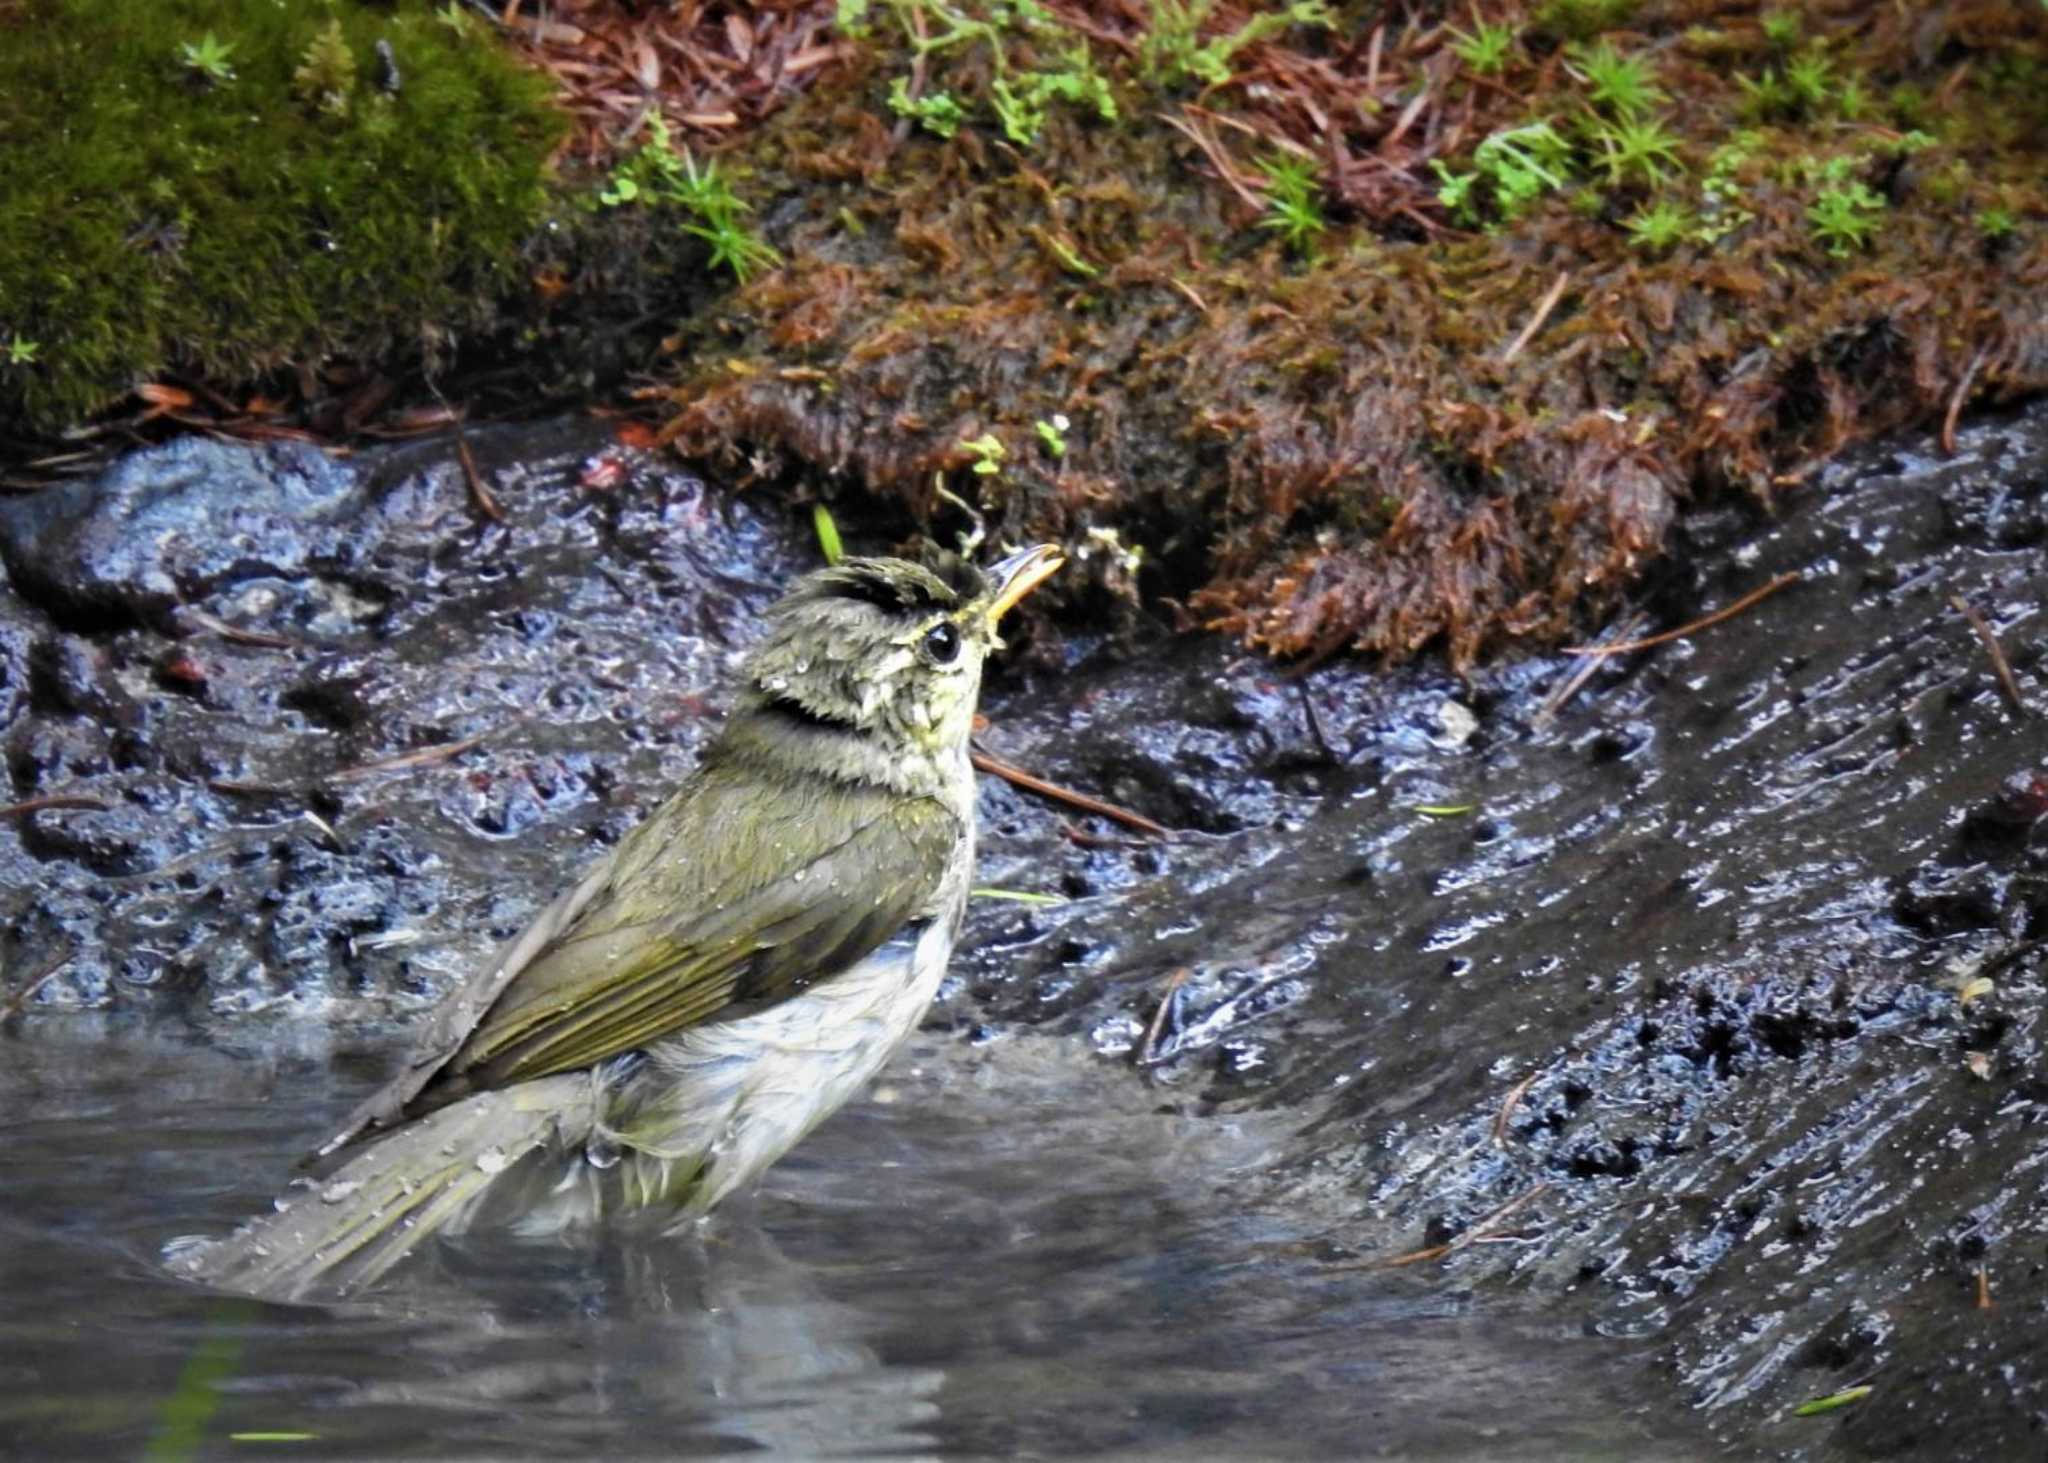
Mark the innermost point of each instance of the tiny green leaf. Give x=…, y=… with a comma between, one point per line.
x=828, y=533
x=1832, y=1401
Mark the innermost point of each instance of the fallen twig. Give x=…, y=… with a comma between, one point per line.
x=1082, y=838
x=249, y=789
x=1485, y=1229
x=1572, y=684
x=1999, y=663
x=1727, y=613
x=236, y=633
x=422, y=757
x=323, y=827
x=486, y=504
x=1315, y=723
x=1218, y=159
x=1173, y=984
x=1543, y=309
x=1507, y=1108
x=1018, y=777
x=18, y=1002
x=50, y=802
x=1955, y=403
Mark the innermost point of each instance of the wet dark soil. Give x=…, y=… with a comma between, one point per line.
x=1699, y=1008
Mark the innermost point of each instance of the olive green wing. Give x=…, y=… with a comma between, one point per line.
x=736, y=897
x=462, y=1008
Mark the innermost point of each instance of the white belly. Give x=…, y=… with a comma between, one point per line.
x=707, y=1110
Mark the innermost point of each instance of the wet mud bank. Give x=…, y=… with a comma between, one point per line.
x=1707, y=1002
x=1700, y=1004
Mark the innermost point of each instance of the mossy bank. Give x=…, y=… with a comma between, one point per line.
x=1381, y=327
x=220, y=190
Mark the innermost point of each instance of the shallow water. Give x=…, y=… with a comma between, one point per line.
x=982, y=1258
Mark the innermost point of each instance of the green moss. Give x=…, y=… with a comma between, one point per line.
x=1487, y=50
x=225, y=187
x=660, y=176
x=1293, y=202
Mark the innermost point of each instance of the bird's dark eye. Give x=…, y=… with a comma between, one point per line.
x=942, y=642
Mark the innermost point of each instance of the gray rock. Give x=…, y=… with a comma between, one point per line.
x=175, y=522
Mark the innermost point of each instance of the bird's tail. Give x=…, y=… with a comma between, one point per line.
x=346, y=1230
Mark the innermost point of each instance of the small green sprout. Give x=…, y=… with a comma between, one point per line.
x=733, y=245
x=988, y=453
x=1069, y=257
x=1622, y=86
x=1656, y=227
x=1724, y=205
x=21, y=351
x=1737, y=150
x=1521, y=163
x=1053, y=433
x=1782, y=29
x=936, y=112
x=1486, y=50
x=207, y=59
x=1844, y=217
x=1021, y=108
x=326, y=74
x=1809, y=79
x=851, y=16
x=1020, y=98
x=1996, y=223
x=1834, y=1400
x=658, y=174
x=1173, y=49
x=1455, y=191
x=1765, y=97
x=1078, y=83
x=1293, y=201
x=829, y=543
x=1853, y=101
x=1635, y=146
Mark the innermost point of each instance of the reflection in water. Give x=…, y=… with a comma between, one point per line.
x=994, y=1255
x=718, y=1332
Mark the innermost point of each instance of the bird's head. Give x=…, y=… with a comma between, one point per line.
x=885, y=651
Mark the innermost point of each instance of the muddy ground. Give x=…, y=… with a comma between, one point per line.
x=1701, y=1004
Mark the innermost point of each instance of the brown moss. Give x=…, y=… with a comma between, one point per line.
x=1343, y=452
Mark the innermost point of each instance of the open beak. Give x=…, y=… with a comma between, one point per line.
x=1021, y=573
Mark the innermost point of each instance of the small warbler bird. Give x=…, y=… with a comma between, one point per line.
x=729, y=975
